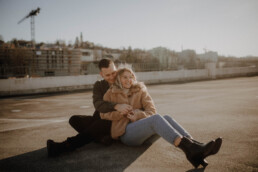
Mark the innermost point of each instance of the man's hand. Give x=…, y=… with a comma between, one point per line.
x=123, y=108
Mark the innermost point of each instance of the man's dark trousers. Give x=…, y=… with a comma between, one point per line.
x=89, y=128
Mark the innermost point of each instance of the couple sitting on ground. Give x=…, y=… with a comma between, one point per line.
x=126, y=111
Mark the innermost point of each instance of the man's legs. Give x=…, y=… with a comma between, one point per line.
x=100, y=131
x=89, y=130
x=81, y=122
x=93, y=126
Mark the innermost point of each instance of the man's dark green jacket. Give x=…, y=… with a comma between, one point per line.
x=99, y=90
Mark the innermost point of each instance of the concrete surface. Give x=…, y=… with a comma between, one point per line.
x=208, y=109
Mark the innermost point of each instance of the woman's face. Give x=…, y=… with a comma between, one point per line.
x=126, y=79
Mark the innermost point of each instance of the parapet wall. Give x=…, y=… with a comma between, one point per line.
x=21, y=86
x=172, y=76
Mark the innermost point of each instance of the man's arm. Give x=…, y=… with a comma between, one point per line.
x=99, y=89
x=112, y=116
x=100, y=105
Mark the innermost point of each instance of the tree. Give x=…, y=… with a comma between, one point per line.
x=81, y=40
x=1, y=38
x=163, y=55
x=191, y=63
x=15, y=42
x=126, y=56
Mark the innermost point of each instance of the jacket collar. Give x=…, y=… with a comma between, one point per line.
x=135, y=88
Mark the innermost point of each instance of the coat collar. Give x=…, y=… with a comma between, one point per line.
x=135, y=88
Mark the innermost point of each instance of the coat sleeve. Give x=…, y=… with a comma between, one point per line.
x=114, y=115
x=99, y=104
x=148, y=106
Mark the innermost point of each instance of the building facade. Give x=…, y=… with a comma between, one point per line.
x=24, y=62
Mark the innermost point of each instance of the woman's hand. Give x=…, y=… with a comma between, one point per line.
x=123, y=108
x=132, y=116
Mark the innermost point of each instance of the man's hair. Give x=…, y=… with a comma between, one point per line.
x=104, y=63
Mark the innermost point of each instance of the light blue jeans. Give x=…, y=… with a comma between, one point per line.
x=139, y=131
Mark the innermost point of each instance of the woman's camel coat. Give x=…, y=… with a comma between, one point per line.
x=137, y=96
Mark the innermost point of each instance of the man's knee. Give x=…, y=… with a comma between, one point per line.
x=100, y=127
x=73, y=120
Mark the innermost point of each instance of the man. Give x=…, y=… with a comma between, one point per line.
x=92, y=128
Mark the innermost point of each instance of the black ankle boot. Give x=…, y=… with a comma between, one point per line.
x=216, y=147
x=195, y=153
x=54, y=149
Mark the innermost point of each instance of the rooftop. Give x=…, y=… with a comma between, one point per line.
x=207, y=109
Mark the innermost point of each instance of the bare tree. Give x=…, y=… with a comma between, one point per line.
x=77, y=43
x=1, y=38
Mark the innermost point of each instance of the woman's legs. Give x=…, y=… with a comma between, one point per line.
x=177, y=126
x=137, y=132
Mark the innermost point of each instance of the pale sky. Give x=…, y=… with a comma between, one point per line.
x=229, y=27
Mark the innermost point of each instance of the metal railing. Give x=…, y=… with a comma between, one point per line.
x=36, y=71
x=68, y=70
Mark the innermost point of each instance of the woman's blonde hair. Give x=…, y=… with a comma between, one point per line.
x=120, y=72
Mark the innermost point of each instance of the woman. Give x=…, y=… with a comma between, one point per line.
x=142, y=122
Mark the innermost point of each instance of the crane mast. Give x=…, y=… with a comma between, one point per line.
x=32, y=15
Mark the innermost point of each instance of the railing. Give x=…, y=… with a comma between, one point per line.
x=42, y=70
x=37, y=71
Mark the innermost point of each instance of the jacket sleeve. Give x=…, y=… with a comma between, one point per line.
x=148, y=106
x=114, y=115
x=99, y=104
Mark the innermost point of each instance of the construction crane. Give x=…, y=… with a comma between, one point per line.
x=32, y=14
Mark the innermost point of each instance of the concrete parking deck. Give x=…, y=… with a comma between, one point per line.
x=207, y=109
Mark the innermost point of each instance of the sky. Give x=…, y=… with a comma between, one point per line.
x=229, y=27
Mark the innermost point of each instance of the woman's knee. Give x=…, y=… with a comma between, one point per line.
x=156, y=120
x=168, y=117
x=156, y=116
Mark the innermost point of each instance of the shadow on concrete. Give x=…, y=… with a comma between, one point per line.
x=196, y=170
x=92, y=157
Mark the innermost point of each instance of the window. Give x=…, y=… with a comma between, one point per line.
x=85, y=53
x=49, y=73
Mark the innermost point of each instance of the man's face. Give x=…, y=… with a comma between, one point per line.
x=109, y=74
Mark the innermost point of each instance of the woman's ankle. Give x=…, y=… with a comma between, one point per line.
x=177, y=141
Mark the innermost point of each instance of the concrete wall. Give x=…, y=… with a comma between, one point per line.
x=172, y=76
x=234, y=72
x=22, y=86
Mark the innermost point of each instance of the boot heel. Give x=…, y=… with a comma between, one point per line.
x=195, y=163
x=204, y=163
